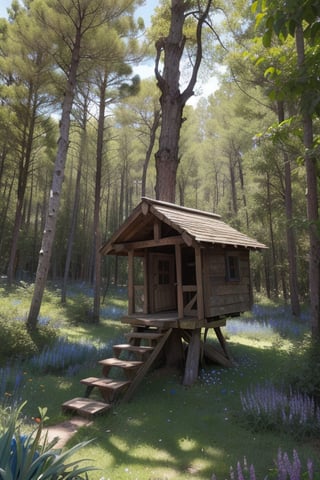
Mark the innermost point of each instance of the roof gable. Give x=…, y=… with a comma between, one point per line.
x=194, y=226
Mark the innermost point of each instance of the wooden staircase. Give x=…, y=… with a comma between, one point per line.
x=132, y=359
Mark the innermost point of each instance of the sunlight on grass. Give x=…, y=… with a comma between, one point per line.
x=262, y=343
x=167, y=431
x=135, y=422
x=186, y=444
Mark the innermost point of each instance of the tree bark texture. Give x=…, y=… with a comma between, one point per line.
x=24, y=170
x=97, y=197
x=291, y=237
x=76, y=203
x=56, y=187
x=312, y=202
x=172, y=101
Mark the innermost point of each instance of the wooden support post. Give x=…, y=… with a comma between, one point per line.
x=200, y=302
x=145, y=282
x=173, y=350
x=222, y=341
x=131, y=307
x=193, y=358
x=179, y=280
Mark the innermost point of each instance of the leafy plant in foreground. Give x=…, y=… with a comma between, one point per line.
x=31, y=456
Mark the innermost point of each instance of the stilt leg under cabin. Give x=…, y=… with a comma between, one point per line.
x=184, y=348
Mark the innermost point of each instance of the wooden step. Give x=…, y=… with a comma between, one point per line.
x=150, y=337
x=140, y=351
x=108, y=387
x=128, y=366
x=141, y=373
x=85, y=406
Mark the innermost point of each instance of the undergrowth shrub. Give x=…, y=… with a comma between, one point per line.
x=20, y=343
x=305, y=374
x=79, y=309
x=266, y=407
x=44, y=336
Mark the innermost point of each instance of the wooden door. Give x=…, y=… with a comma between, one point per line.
x=163, y=288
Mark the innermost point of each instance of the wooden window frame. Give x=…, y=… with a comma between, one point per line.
x=232, y=269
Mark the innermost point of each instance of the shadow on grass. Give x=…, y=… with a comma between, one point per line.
x=170, y=431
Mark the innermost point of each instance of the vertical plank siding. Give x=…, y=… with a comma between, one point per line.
x=223, y=296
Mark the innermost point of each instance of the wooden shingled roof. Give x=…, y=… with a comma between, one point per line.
x=195, y=226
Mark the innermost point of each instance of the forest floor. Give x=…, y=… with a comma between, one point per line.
x=64, y=431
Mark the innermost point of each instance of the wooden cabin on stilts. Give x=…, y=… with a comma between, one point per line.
x=188, y=272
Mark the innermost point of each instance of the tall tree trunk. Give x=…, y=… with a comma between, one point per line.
x=233, y=184
x=6, y=204
x=24, y=167
x=76, y=203
x=153, y=131
x=273, y=246
x=312, y=202
x=291, y=237
x=243, y=190
x=56, y=187
x=97, y=200
x=172, y=101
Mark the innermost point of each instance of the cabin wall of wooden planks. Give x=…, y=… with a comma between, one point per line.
x=223, y=296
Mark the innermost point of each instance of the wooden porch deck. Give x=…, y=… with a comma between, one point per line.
x=166, y=320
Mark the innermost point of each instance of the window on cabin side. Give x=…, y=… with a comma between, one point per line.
x=233, y=268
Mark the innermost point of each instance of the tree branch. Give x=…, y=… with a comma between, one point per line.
x=188, y=92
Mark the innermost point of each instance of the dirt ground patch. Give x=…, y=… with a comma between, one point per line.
x=65, y=430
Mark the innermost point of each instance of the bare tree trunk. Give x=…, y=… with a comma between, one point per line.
x=56, y=187
x=291, y=237
x=172, y=100
x=5, y=209
x=312, y=203
x=273, y=246
x=24, y=167
x=97, y=199
x=76, y=203
x=153, y=131
x=244, y=198
x=233, y=184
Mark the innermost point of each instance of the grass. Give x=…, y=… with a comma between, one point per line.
x=169, y=431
